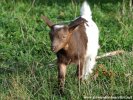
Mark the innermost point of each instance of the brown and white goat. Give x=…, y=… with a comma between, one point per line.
x=75, y=43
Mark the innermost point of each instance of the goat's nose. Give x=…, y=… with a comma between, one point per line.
x=53, y=48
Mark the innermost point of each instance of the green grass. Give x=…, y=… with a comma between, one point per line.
x=25, y=55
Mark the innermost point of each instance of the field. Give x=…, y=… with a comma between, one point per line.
x=28, y=68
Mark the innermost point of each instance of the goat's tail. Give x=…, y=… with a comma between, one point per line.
x=85, y=10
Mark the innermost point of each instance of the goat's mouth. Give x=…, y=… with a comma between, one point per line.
x=54, y=51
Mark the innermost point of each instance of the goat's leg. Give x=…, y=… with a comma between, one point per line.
x=80, y=70
x=61, y=76
x=89, y=65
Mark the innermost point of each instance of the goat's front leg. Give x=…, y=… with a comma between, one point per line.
x=61, y=76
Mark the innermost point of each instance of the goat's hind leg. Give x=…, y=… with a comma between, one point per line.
x=80, y=70
x=89, y=65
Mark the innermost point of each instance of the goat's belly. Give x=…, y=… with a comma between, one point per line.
x=70, y=60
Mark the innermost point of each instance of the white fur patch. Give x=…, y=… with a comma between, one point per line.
x=58, y=26
x=92, y=33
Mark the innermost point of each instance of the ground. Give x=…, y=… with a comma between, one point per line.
x=28, y=68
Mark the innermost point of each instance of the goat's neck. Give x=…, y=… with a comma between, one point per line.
x=70, y=45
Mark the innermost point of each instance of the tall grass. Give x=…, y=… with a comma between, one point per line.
x=27, y=66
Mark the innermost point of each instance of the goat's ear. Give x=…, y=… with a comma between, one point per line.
x=71, y=28
x=76, y=23
x=47, y=21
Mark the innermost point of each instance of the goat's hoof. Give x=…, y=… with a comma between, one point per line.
x=61, y=90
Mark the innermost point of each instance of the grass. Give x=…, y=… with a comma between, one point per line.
x=25, y=55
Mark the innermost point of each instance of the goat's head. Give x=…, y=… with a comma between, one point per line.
x=60, y=34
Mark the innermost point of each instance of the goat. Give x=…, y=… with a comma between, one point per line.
x=76, y=43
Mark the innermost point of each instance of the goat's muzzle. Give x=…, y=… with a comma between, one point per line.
x=53, y=48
